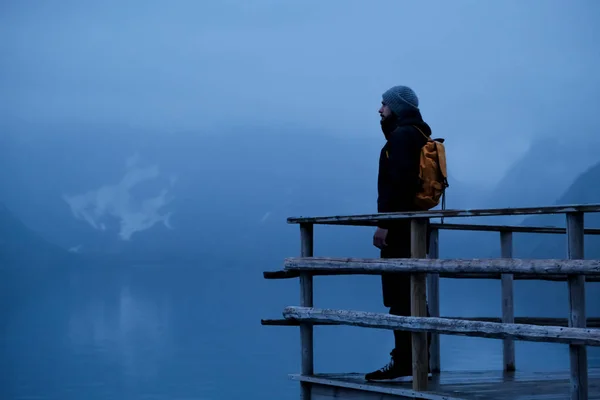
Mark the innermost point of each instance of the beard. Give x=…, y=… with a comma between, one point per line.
x=388, y=123
x=391, y=116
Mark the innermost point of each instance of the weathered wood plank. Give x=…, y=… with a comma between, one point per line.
x=520, y=277
x=468, y=377
x=577, y=317
x=508, y=228
x=466, y=385
x=330, y=392
x=433, y=301
x=291, y=322
x=542, y=321
x=587, y=336
x=375, y=266
x=418, y=306
x=291, y=274
x=385, y=392
x=508, y=313
x=306, y=300
x=374, y=219
x=280, y=274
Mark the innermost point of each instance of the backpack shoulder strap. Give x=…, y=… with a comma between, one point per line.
x=422, y=133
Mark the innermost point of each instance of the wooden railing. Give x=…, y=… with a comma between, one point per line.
x=425, y=274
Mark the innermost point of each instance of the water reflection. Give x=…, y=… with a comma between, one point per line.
x=129, y=330
x=170, y=332
x=181, y=332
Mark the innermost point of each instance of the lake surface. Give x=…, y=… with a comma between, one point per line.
x=192, y=332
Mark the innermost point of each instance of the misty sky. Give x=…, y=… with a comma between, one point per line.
x=489, y=74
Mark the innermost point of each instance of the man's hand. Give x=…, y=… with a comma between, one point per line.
x=379, y=238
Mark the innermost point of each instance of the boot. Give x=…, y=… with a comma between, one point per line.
x=393, y=371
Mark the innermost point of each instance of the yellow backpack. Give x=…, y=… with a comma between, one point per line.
x=432, y=173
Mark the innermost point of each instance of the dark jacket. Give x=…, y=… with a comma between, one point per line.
x=398, y=179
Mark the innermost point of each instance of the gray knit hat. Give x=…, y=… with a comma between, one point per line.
x=398, y=98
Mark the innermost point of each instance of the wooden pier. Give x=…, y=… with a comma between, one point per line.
x=577, y=381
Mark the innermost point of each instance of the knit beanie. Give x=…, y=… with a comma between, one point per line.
x=398, y=98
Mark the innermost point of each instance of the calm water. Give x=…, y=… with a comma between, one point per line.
x=194, y=333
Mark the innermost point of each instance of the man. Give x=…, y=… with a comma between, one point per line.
x=398, y=182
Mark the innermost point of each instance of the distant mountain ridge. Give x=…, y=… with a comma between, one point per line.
x=231, y=190
x=557, y=169
x=545, y=172
x=234, y=188
x=584, y=190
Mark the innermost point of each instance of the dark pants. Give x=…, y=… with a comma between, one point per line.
x=396, y=290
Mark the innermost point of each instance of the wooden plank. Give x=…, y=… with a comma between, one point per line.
x=391, y=391
x=542, y=321
x=374, y=219
x=433, y=300
x=418, y=305
x=466, y=385
x=330, y=392
x=280, y=274
x=375, y=266
x=464, y=377
x=535, y=333
x=306, y=300
x=508, y=228
x=519, y=277
x=292, y=274
x=508, y=313
x=290, y=322
x=577, y=317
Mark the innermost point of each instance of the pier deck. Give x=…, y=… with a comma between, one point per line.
x=425, y=267
x=454, y=385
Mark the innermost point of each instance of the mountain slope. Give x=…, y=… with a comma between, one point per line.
x=545, y=172
x=543, y=176
x=584, y=190
x=20, y=245
x=230, y=189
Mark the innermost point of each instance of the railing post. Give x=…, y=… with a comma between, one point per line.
x=306, y=300
x=433, y=301
x=508, y=311
x=577, y=317
x=418, y=291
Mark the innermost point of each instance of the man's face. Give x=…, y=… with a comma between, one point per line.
x=384, y=111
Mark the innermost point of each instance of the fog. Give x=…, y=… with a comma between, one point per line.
x=488, y=74
x=170, y=134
